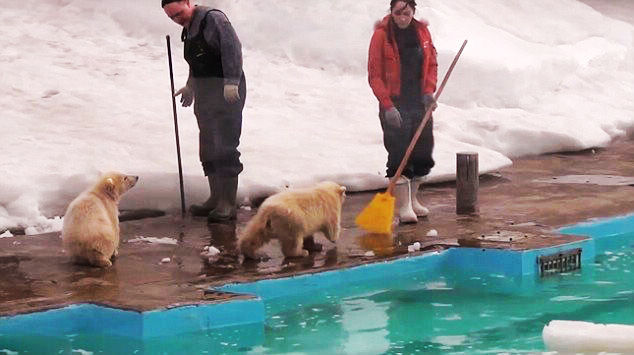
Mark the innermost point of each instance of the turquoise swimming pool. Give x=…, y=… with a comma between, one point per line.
x=453, y=313
x=458, y=301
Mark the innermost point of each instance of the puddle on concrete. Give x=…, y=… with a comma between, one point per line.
x=504, y=236
x=605, y=180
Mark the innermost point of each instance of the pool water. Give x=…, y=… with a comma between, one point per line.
x=453, y=313
x=227, y=340
x=437, y=310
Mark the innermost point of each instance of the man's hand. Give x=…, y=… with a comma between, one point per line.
x=429, y=102
x=231, y=93
x=393, y=117
x=187, y=95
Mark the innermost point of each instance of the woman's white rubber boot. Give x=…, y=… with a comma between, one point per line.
x=403, y=197
x=419, y=209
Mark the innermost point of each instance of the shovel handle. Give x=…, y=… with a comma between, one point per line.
x=408, y=152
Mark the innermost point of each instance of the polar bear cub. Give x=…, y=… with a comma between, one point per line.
x=292, y=215
x=90, y=230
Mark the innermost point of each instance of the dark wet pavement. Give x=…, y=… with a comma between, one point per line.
x=517, y=202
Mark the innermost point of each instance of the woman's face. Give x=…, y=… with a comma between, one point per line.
x=402, y=14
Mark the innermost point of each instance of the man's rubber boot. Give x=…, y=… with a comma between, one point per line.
x=419, y=209
x=225, y=210
x=203, y=209
x=402, y=193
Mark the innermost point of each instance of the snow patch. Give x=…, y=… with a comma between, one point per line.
x=153, y=240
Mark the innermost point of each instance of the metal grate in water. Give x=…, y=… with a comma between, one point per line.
x=559, y=262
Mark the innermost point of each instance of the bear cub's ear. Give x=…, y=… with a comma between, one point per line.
x=110, y=187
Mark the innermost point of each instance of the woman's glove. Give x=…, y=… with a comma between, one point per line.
x=231, y=93
x=429, y=102
x=393, y=117
x=187, y=95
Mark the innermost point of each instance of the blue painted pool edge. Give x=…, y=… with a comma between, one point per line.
x=504, y=262
x=144, y=325
x=301, y=284
x=511, y=263
x=91, y=318
x=601, y=227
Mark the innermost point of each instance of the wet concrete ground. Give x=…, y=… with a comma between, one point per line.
x=525, y=202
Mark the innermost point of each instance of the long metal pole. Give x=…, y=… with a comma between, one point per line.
x=178, y=145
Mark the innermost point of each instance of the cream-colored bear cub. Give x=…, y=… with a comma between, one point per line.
x=292, y=215
x=91, y=223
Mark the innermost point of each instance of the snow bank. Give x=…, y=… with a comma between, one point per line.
x=86, y=90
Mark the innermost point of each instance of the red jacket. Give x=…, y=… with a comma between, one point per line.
x=384, y=65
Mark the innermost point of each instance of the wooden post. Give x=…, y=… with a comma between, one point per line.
x=467, y=183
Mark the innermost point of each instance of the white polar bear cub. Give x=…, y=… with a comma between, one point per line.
x=290, y=216
x=91, y=224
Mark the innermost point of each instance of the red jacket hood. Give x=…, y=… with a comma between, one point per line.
x=386, y=20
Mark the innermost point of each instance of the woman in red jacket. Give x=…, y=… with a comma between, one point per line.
x=402, y=71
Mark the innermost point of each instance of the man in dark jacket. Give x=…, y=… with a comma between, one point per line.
x=217, y=87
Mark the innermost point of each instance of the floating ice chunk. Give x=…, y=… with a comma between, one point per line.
x=453, y=317
x=568, y=298
x=450, y=340
x=437, y=285
x=575, y=336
